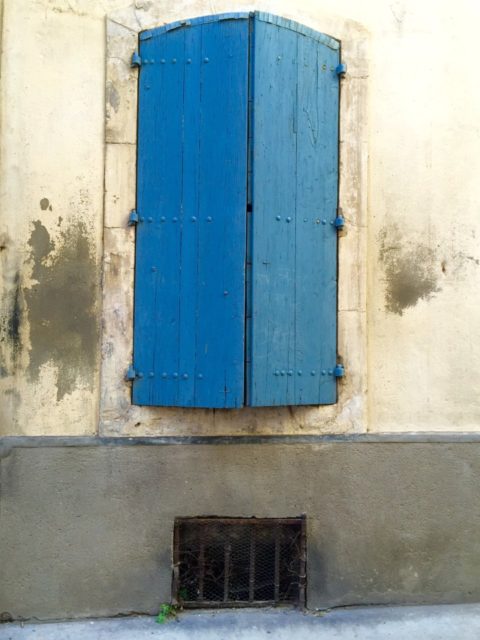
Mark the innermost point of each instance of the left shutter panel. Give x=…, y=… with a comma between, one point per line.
x=191, y=199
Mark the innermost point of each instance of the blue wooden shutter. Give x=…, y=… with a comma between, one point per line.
x=293, y=242
x=191, y=200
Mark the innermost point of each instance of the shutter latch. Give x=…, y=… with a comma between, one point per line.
x=132, y=218
x=341, y=69
x=136, y=59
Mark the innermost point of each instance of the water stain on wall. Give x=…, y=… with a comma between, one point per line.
x=45, y=204
x=411, y=270
x=14, y=318
x=62, y=304
x=10, y=311
x=10, y=322
x=113, y=97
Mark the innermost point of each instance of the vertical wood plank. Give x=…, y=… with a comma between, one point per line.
x=316, y=256
x=222, y=214
x=273, y=233
x=158, y=242
x=189, y=222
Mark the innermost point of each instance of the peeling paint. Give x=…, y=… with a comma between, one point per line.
x=61, y=305
x=411, y=270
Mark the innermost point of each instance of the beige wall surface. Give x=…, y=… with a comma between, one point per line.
x=422, y=255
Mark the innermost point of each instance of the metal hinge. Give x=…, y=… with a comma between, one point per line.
x=339, y=222
x=132, y=218
x=131, y=374
x=339, y=371
x=341, y=69
x=136, y=60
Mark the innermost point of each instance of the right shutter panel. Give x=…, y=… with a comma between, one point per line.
x=293, y=239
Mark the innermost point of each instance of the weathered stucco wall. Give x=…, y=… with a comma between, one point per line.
x=422, y=257
x=88, y=531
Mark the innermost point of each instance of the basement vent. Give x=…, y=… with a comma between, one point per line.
x=239, y=562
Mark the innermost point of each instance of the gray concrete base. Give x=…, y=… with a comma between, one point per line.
x=86, y=531
x=454, y=622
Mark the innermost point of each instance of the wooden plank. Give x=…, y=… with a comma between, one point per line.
x=222, y=218
x=189, y=216
x=298, y=28
x=165, y=240
x=316, y=256
x=158, y=242
x=194, y=22
x=272, y=344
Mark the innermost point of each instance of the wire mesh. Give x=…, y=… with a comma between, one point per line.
x=239, y=562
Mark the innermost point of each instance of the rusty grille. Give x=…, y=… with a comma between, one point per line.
x=238, y=562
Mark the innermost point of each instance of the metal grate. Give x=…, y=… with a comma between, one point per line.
x=239, y=562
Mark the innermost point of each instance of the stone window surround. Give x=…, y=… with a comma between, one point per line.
x=118, y=417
